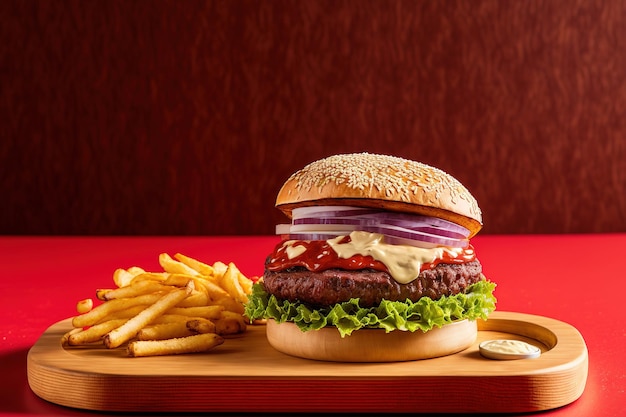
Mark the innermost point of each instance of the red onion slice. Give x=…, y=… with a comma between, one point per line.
x=415, y=236
x=398, y=228
x=325, y=220
x=426, y=227
x=312, y=236
x=330, y=211
x=314, y=228
x=367, y=222
x=283, y=229
x=386, y=217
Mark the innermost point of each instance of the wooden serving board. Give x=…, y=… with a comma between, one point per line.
x=245, y=374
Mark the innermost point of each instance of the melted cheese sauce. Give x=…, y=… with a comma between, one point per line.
x=403, y=262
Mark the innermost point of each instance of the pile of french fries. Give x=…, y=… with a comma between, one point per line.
x=188, y=307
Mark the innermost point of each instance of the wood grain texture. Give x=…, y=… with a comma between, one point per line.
x=186, y=117
x=245, y=374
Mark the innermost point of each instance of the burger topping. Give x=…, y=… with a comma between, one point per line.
x=295, y=251
x=361, y=250
x=398, y=228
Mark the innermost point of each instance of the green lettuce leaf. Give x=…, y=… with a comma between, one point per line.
x=477, y=302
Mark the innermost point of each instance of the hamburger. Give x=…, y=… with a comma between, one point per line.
x=376, y=264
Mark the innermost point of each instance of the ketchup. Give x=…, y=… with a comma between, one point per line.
x=319, y=256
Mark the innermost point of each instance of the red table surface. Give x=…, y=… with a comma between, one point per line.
x=578, y=279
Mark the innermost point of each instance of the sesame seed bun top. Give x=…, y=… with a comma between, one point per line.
x=381, y=181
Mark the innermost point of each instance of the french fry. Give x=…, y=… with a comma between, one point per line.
x=180, y=280
x=135, y=270
x=213, y=290
x=230, y=282
x=246, y=284
x=84, y=306
x=150, y=276
x=230, y=304
x=122, y=277
x=173, y=318
x=207, y=312
x=189, y=344
x=66, y=336
x=201, y=325
x=229, y=323
x=225, y=327
x=196, y=265
x=126, y=313
x=196, y=299
x=129, y=329
x=135, y=289
x=173, y=266
x=101, y=293
x=219, y=268
x=202, y=285
x=105, y=309
x=164, y=311
x=236, y=316
x=94, y=333
x=165, y=331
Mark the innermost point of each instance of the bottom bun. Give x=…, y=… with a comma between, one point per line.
x=371, y=345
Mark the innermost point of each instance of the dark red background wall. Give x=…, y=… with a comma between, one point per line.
x=185, y=117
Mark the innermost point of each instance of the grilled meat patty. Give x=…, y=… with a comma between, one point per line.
x=319, y=289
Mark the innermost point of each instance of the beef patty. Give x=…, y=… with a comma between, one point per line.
x=319, y=289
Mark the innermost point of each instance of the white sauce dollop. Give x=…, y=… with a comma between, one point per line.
x=508, y=349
